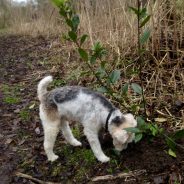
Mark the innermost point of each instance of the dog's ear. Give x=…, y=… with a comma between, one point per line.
x=118, y=120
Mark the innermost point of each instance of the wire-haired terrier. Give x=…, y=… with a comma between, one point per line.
x=93, y=110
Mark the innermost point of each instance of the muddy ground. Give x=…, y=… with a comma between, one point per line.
x=23, y=62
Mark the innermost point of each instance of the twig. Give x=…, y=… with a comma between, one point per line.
x=33, y=179
x=120, y=175
x=161, y=113
x=168, y=111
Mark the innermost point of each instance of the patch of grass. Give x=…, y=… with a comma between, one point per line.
x=11, y=100
x=57, y=169
x=76, y=73
x=24, y=115
x=23, y=134
x=11, y=94
x=81, y=156
x=79, y=159
x=76, y=132
x=59, y=83
x=81, y=174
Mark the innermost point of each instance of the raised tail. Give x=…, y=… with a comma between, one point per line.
x=42, y=86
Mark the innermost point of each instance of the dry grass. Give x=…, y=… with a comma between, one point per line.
x=106, y=20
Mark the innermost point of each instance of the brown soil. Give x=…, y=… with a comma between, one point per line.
x=21, y=135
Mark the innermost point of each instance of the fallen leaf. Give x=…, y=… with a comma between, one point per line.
x=32, y=106
x=21, y=142
x=16, y=110
x=160, y=120
x=7, y=115
x=37, y=130
x=8, y=141
x=172, y=153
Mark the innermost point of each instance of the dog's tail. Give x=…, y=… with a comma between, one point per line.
x=42, y=86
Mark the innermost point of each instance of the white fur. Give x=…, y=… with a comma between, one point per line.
x=42, y=86
x=91, y=113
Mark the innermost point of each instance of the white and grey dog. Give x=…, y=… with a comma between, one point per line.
x=93, y=110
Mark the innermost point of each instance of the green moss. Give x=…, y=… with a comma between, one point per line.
x=78, y=161
x=11, y=100
x=57, y=170
x=24, y=115
x=11, y=94
x=58, y=83
x=84, y=156
x=76, y=132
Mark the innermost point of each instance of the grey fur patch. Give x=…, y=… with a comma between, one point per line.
x=99, y=96
x=65, y=94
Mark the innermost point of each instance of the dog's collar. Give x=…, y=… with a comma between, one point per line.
x=108, y=117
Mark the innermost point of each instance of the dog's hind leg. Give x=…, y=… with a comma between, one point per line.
x=67, y=133
x=51, y=130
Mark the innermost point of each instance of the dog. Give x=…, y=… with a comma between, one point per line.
x=62, y=105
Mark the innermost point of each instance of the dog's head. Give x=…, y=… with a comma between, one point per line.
x=120, y=136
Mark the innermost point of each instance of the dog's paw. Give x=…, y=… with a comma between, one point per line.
x=76, y=143
x=53, y=158
x=104, y=159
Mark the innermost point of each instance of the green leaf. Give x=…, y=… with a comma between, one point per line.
x=83, y=54
x=75, y=22
x=99, y=50
x=138, y=137
x=154, y=130
x=145, y=20
x=114, y=76
x=103, y=63
x=66, y=37
x=145, y=36
x=170, y=142
x=72, y=35
x=93, y=59
x=172, y=153
x=97, y=46
x=124, y=88
x=101, y=72
x=83, y=39
x=135, y=108
x=102, y=90
x=137, y=88
x=133, y=130
x=143, y=13
x=178, y=135
x=116, y=152
x=62, y=12
x=140, y=121
x=58, y=3
x=69, y=23
x=134, y=10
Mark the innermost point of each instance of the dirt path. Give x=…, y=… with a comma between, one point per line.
x=22, y=64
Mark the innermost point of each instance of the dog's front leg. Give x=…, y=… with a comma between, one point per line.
x=94, y=142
